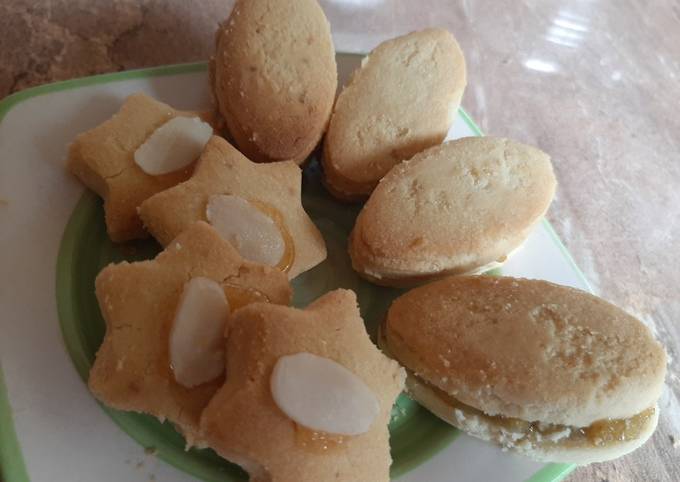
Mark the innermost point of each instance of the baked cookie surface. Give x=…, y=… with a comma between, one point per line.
x=222, y=170
x=244, y=424
x=402, y=99
x=103, y=159
x=548, y=371
x=529, y=349
x=461, y=207
x=138, y=302
x=275, y=77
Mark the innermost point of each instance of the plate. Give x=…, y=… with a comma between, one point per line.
x=50, y=427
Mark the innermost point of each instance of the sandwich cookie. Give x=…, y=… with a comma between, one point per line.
x=163, y=352
x=307, y=396
x=548, y=371
x=403, y=99
x=145, y=148
x=274, y=77
x=458, y=208
x=256, y=207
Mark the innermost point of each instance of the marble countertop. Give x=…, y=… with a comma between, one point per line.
x=595, y=84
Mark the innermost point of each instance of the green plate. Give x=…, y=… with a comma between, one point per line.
x=415, y=434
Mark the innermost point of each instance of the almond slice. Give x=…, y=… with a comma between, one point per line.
x=254, y=234
x=322, y=395
x=173, y=146
x=197, y=335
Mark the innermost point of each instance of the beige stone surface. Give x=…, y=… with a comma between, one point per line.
x=595, y=84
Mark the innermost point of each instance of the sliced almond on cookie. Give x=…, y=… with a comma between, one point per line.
x=323, y=395
x=254, y=234
x=173, y=146
x=197, y=334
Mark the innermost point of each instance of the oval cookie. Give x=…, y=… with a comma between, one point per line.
x=402, y=100
x=548, y=371
x=457, y=208
x=275, y=77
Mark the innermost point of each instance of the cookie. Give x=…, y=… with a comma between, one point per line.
x=458, y=208
x=544, y=370
x=139, y=301
x=245, y=422
x=273, y=188
x=275, y=77
x=103, y=159
x=402, y=100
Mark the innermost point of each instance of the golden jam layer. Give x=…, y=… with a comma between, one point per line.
x=610, y=431
x=600, y=433
x=288, y=256
x=239, y=296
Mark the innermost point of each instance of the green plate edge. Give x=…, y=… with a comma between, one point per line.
x=12, y=464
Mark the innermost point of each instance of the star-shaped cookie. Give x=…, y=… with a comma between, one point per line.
x=244, y=424
x=103, y=159
x=222, y=169
x=138, y=301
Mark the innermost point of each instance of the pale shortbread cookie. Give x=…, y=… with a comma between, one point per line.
x=103, y=159
x=529, y=365
x=243, y=424
x=139, y=300
x=274, y=77
x=224, y=170
x=457, y=208
x=402, y=100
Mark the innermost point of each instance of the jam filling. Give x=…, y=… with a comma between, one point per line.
x=600, y=433
x=288, y=256
x=239, y=296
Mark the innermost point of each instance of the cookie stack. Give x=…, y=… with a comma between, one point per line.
x=203, y=335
